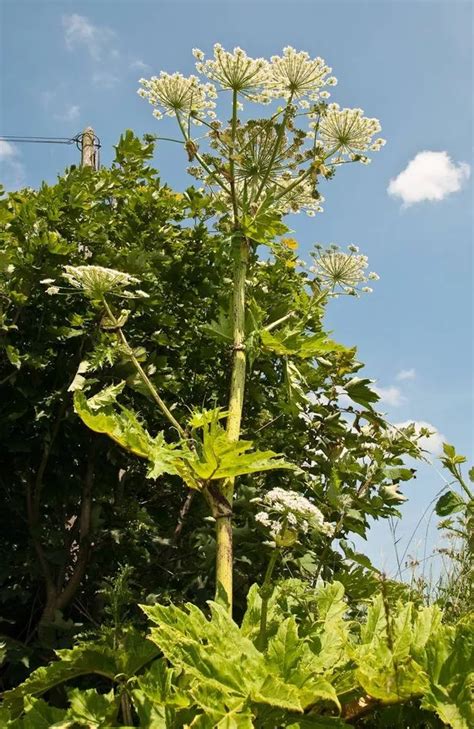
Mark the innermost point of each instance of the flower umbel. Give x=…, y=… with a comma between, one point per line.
x=96, y=281
x=265, y=166
x=175, y=94
x=236, y=71
x=335, y=268
x=295, y=74
x=286, y=513
x=348, y=131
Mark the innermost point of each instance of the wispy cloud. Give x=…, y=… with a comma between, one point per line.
x=57, y=103
x=98, y=41
x=70, y=113
x=139, y=65
x=390, y=395
x=433, y=443
x=429, y=176
x=13, y=170
x=105, y=79
x=406, y=375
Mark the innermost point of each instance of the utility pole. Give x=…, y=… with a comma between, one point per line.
x=89, y=149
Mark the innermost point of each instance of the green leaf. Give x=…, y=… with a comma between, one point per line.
x=451, y=671
x=13, y=356
x=131, y=654
x=40, y=715
x=220, y=329
x=449, y=450
x=216, y=457
x=449, y=503
x=264, y=227
x=79, y=661
x=125, y=429
x=107, y=396
x=93, y=709
x=359, y=391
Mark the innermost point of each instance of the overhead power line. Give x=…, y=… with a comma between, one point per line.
x=86, y=142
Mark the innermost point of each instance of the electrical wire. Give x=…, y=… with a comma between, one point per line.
x=78, y=140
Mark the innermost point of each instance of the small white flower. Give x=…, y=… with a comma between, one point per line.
x=47, y=281
x=10, y=268
x=52, y=290
x=373, y=276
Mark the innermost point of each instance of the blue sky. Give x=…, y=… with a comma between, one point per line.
x=70, y=64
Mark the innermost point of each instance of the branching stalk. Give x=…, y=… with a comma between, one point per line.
x=141, y=372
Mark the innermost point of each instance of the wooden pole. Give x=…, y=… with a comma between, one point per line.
x=88, y=150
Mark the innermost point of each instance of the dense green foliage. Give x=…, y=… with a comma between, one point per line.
x=319, y=669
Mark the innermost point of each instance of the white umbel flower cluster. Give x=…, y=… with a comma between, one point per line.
x=348, y=131
x=273, y=164
x=286, y=514
x=178, y=94
x=236, y=71
x=294, y=75
x=299, y=197
x=96, y=281
x=334, y=268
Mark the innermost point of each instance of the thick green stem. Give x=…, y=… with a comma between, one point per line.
x=266, y=591
x=224, y=551
x=234, y=418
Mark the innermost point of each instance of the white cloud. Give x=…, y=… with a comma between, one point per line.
x=139, y=65
x=429, y=176
x=70, y=113
x=105, y=79
x=79, y=32
x=390, y=395
x=13, y=170
x=7, y=150
x=406, y=374
x=433, y=443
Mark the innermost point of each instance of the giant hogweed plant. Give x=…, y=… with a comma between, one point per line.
x=299, y=658
x=255, y=171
